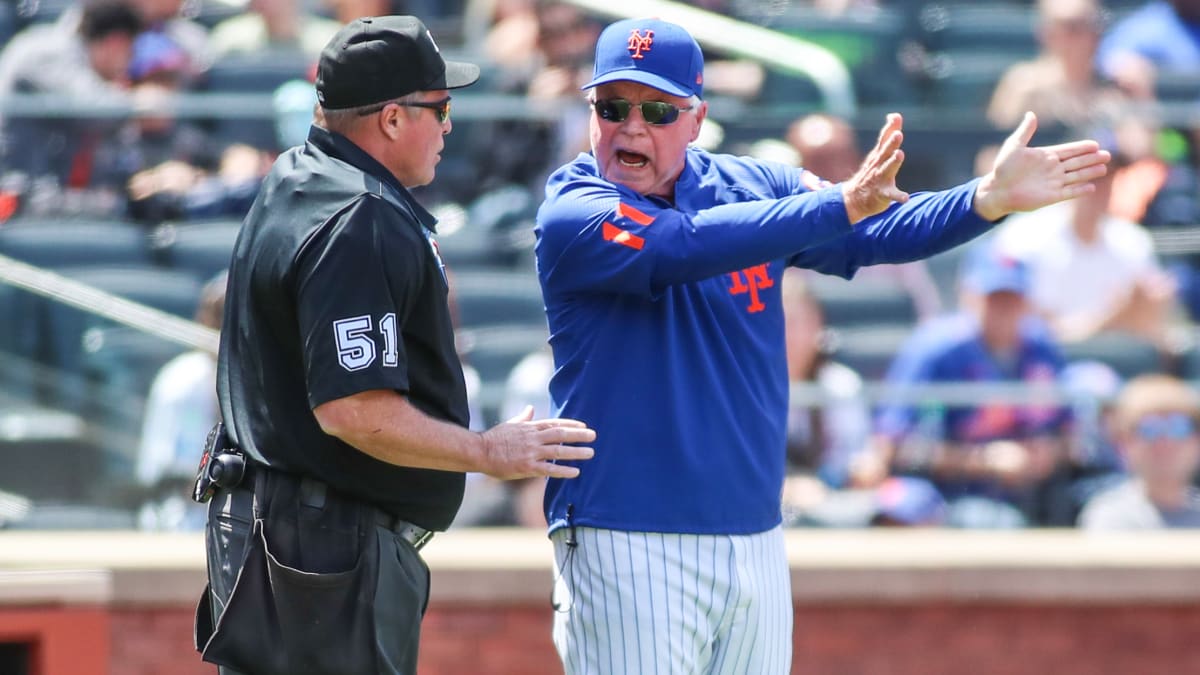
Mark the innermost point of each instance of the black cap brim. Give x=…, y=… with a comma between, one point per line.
x=459, y=74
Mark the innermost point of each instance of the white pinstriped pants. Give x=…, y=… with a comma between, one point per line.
x=642, y=603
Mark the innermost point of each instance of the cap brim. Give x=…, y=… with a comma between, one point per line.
x=641, y=77
x=459, y=74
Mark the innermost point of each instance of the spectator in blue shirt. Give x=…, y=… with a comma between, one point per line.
x=987, y=460
x=1161, y=37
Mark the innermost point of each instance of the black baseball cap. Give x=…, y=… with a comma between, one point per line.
x=380, y=58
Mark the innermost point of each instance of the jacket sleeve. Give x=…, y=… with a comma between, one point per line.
x=595, y=237
x=929, y=223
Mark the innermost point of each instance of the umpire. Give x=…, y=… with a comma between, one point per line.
x=341, y=393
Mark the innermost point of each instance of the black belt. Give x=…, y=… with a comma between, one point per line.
x=412, y=533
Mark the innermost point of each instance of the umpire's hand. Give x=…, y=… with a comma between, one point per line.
x=1025, y=178
x=524, y=447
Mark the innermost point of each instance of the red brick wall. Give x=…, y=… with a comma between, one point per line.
x=987, y=640
x=833, y=640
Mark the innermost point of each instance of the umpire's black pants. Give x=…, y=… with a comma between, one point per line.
x=308, y=528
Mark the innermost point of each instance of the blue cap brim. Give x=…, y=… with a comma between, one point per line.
x=641, y=77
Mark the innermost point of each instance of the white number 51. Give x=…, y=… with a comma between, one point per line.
x=356, y=349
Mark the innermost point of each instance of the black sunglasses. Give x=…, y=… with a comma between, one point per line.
x=654, y=112
x=441, y=108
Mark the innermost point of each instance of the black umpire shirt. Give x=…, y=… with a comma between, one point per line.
x=336, y=288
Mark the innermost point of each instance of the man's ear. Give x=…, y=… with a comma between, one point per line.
x=701, y=113
x=392, y=120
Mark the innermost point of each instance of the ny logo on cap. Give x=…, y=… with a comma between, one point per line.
x=639, y=43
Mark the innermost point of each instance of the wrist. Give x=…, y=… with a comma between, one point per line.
x=479, y=451
x=986, y=202
x=854, y=212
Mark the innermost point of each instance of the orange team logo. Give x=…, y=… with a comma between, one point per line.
x=639, y=43
x=755, y=278
x=618, y=236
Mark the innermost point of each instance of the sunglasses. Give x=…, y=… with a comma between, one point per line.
x=654, y=112
x=440, y=108
x=1173, y=426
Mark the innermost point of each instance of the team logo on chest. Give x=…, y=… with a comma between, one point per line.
x=437, y=253
x=750, y=280
x=639, y=43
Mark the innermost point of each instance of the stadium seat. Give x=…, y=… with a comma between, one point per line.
x=58, y=243
x=965, y=78
x=204, y=249
x=65, y=329
x=118, y=365
x=253, y=73
x=869, y=350
x=497, y=228
x=494, y=351
x=867, y=41
x=490, y=298
x=28, y=12
x=1005, y=27
x=1177, y=87
x=1128, y=355
x=862, y=302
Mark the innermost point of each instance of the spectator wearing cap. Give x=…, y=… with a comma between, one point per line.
x=170, y=169
x=339, y=385
x=1156, y=419
x=987, y=459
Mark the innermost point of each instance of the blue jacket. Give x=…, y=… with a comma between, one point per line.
x=667, y=329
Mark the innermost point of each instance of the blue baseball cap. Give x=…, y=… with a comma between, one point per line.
x=155, y=53
x=652, y=52
x=990, y=270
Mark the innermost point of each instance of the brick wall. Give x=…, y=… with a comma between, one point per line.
x=829, y=640
x=867, y=603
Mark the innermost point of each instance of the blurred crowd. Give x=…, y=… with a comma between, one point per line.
x=1078, y=301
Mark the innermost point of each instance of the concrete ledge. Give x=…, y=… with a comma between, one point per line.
x=506, y=567
x=55, y=587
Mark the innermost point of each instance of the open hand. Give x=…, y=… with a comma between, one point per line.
x=873, y=187
x=1025, y=178
x=524, y=447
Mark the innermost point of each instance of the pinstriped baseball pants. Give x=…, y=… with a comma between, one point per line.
x=643, y=603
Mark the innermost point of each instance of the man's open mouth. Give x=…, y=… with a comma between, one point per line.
x=632, y=159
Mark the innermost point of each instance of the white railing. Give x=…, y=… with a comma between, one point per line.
x=123, y=311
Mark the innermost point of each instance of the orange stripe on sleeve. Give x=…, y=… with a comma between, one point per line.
x=627, y=211
x=617, y=235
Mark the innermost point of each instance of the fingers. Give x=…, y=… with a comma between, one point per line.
x=1077, y=190
x=567, y=435
x=891, y=126
x=554, y=423
x=1024, y=132
x=1086, y=174
x=525, y=415
x=1065, y=151
x=894, y=122
x=1086, y=160
x=891, y=166
x=557, y=453
x=570, y=453
x=557, y=470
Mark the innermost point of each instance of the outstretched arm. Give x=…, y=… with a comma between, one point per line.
x=1025, y=178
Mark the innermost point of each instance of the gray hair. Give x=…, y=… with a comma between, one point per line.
x=347, y=118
